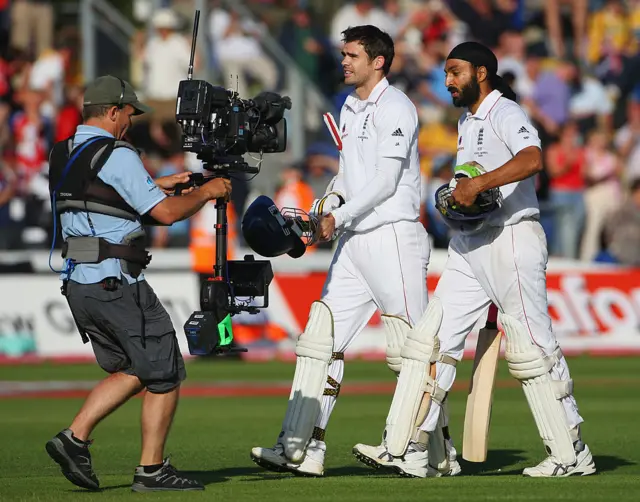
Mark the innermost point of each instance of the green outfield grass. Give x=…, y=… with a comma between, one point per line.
x=212, y=438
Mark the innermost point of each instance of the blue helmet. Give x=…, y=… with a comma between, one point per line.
x=466, y=220
x=271, y=232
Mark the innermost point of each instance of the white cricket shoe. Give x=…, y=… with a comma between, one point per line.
x=413, y=464
x=551, y=468
x=273, y=459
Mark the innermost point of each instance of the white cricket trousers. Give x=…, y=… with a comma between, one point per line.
x=506, y=266
x=385, y=269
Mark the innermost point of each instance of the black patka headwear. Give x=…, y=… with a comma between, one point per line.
x=480, y=55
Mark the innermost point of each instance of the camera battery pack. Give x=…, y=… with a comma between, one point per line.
x=201, y=330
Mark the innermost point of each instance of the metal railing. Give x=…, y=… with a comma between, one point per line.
x=100, y=15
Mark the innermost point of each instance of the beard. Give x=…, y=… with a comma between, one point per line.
x=467, y=95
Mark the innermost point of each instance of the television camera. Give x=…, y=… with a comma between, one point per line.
x=220, y=127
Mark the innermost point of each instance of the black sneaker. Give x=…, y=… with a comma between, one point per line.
x=164, y=479
x=74, y=459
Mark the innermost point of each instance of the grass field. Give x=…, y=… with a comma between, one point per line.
x=212, y=437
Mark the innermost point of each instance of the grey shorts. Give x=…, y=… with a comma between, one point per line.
x=113, y=321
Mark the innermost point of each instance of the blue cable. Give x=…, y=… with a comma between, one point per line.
x=68, y=267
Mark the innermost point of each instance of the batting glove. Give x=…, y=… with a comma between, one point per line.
x=323, y=206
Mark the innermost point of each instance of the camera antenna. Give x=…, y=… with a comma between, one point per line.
x=196, y=22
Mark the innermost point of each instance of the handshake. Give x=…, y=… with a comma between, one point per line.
x=320, y=208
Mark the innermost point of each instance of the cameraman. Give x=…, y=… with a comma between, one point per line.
x=131, y=333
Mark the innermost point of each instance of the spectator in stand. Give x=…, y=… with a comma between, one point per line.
x=166, y=57
x=302, y=39
x=441, y=173
x=20, y=64
x=622, y=231
x=438, y=139
x=293, y=192
x=320, y=166
x=602, y=178
x=32, y=135
x=577, y=11
x=32, y=23
x=610, y=36
x=432, y=90
x=590, y=105
x=485, y=19
x=396, y=20
x=358, y=13
x=548, y=105
x=70, y=114
x=627, y=140
x=565, y=162
x=237, y=49
x=48, y=76
x=512, y=58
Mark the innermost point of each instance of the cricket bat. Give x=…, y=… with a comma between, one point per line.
x=477, y=416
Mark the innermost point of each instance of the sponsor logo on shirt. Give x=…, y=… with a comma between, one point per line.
x=151, y=183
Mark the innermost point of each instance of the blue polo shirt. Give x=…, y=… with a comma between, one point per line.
x=126, y=174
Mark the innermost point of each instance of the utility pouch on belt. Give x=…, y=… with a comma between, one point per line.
x=135, y=241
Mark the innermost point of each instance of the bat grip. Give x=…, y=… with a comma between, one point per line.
x=492, y=317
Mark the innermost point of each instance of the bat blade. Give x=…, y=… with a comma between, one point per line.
x=479, y=400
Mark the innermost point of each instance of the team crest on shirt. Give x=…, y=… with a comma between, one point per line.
x=363, y=134
x=479, y=151
x=460, y=146
x=344, y=132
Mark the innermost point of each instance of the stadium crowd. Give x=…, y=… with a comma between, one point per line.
x=574, y=64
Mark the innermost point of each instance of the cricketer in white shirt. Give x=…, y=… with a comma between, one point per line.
x=505, y=262
x=381, y=258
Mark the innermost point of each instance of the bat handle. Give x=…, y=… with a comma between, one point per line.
x=492, y=316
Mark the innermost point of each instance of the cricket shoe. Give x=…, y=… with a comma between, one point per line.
x=551, y=468
x=413, y=464
x=273, y=459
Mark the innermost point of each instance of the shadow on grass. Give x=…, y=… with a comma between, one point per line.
x=606, y=463
x=205, y=477
x=497, y=460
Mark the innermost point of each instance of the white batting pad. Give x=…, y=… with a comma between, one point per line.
x=396, y=330
x=407, y=410
x=314, y=349
x=529, y=364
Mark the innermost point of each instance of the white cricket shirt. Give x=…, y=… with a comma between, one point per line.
x=379, y=163
x=492, y=136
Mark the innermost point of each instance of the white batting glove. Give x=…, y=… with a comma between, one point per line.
x=323, y=206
